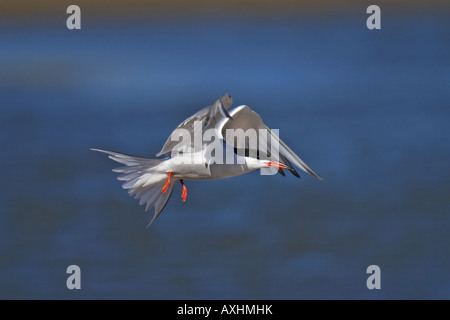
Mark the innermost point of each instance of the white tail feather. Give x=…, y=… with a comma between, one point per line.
x=142, y=180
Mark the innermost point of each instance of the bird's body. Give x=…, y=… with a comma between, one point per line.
x=194, y=166
x=207, y=151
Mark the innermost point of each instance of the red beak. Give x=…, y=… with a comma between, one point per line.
x=276, y=164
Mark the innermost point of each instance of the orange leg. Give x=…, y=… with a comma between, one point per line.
x=184, y=192
x=166, y=186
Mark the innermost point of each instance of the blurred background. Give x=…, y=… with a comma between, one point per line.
x=368, y=110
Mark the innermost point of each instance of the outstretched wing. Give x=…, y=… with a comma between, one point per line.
x=207, y=117
x=245, y=118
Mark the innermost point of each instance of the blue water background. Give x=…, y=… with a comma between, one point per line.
x=368, y=110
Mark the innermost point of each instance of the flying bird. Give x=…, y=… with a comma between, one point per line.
x=238, y=142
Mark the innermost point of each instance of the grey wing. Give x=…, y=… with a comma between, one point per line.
x=245, y=118
x=208, y=116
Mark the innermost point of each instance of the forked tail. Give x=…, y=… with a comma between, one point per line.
x=142, y=180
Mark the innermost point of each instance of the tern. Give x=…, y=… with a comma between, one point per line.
x=152, y=180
